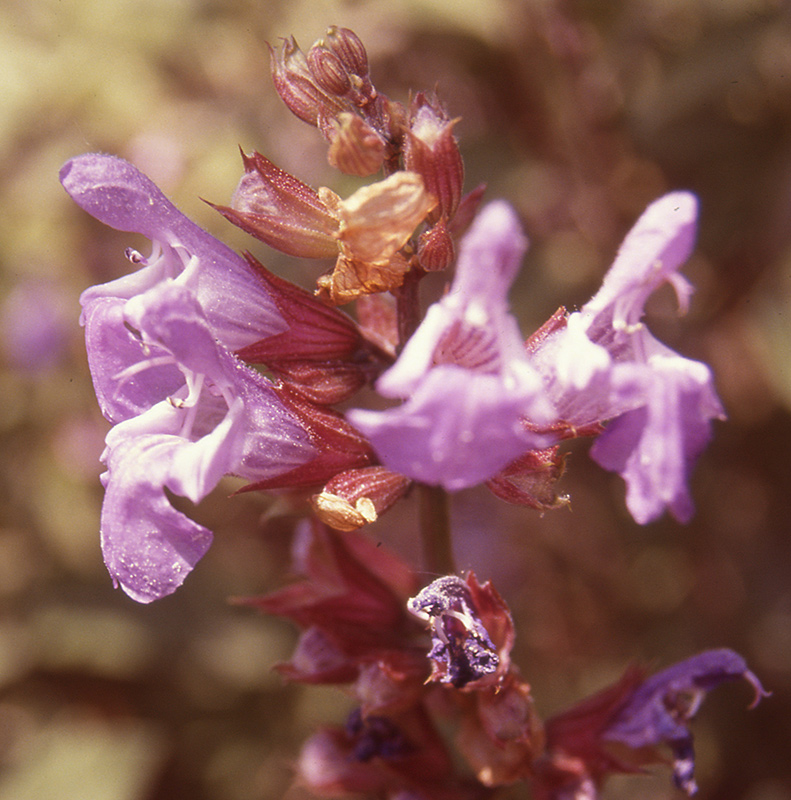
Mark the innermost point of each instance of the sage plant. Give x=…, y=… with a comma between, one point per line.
x=209, y=365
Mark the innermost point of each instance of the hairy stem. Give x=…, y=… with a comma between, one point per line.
x=435, y=530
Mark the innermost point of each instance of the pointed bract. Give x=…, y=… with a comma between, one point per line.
x=279, y=209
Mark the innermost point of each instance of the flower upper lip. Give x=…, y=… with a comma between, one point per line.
x=187, y=411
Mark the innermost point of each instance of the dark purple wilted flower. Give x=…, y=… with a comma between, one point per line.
x=604, y=364
x=659, y=710
x=186, y=410
x=465, y=372
x=462, y=651
x=622, y=728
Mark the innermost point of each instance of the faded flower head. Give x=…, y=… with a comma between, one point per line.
x=462, y=651
x=640, y=716
x=364, y=232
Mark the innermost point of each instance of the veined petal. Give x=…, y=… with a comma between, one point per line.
x=490, y=255
x=267, y=440
x=456, y=430
x=604, y=364
x=122, y=390
x=652, y=252
x=468, y=380
x=654, y=446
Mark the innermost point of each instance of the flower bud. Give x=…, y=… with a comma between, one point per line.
x=355, y=148
x=531, y=480
x=282, y=211
x=431, y=150
x=317, y=659
x=328, y=70
x=349, y=48
x=435, y=249
x=378, y=322
x=468, y=208
x=297, y=86
x=356, y=497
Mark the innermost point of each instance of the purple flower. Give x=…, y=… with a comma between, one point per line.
x=465, y=373
x=640, y=716
x=605, y=365
x=659, y=710
x=187, y=411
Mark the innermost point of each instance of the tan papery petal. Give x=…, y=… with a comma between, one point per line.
x=351, y=278
x=378, y=219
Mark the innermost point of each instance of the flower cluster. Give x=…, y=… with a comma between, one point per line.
x=207, y=365
x=350, y=606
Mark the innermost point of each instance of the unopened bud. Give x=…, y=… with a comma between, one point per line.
x=297, y=86
x=328, y=70
x=323, y=383
x=531, y=480
x=468, y=208
x=349, y=48
x=378, y=321
x=358, y=496
x=435, y=249
x=356, y=148
x=317, y=659
x=431, y=150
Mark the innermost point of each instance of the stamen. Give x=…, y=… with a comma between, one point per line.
x=189, y=261
x=190, y=402
x=135, y=369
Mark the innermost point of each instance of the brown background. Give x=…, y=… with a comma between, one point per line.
x=579, y=114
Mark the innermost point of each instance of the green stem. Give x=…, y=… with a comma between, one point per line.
x=435, y=530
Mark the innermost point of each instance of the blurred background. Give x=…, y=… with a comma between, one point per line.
x=578, y=113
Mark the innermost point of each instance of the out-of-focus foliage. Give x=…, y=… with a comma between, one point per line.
x=579, y=113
